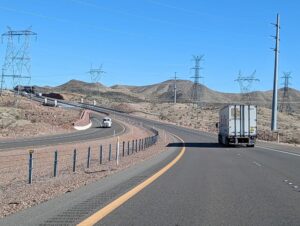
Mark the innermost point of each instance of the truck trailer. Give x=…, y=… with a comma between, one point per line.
x=237, y=125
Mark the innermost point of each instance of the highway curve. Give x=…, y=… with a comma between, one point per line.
x=209, y=185
x=95, y=132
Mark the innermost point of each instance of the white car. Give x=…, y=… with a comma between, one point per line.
x=106, y=122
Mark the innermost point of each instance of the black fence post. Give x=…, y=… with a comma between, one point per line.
x=30, y=167
x=139, y=144
x=128, y=149
x=88, y=158
x=74, y=160
x=109, y=154
x=101, y=154
x=136, y=146
x=116, y=150
x=123, y=149
x=132, y=148
x=55, y=164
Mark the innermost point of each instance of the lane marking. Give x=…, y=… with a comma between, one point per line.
x=100, y=214
x=284, y=152
x=256, y=163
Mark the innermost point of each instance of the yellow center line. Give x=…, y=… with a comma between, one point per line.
x=100, y=214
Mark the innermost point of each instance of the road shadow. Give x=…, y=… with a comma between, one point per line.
x=196, y=145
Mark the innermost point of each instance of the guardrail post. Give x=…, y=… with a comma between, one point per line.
x=109, y=154
x=88, y=158
x=123, y=149
x=74, y=160
x=55, y=164
x=128, y=149
x=30, y=167
x=101, y=154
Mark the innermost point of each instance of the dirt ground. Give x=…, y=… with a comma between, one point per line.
x=16, y=194
x=20, y=117
x=205, y=118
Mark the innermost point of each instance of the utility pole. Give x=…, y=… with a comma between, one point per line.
x=275, y=89
x=17, y=59
x=196, y=85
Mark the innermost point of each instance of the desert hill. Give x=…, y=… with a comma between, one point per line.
x=164, y=92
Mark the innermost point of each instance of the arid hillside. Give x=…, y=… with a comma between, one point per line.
x=20, y=117
x=164, y=93
x=155, y=101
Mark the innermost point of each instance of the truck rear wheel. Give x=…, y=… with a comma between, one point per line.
x=250, y=145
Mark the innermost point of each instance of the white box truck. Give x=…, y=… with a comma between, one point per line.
x=237, y=125
x=106, y=122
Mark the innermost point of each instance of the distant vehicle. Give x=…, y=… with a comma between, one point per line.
x=237, y=125
x=106, y=122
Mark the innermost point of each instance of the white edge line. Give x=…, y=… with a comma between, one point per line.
x=284, y=152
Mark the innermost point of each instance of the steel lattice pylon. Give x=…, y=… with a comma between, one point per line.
x=17, y=62
x=196, y=89
x=285, y=103
x=245, y=83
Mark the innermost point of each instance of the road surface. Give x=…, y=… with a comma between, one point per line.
x=94, y=132
x=209, y=185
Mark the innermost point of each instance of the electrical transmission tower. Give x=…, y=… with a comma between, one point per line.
x=285, y=103
x=17, y=59
x=96, y=73
x=196, y=90
x=245, y=83
x=175, y=87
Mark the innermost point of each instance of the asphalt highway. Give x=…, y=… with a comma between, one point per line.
x=209, y=185
x=95, y=132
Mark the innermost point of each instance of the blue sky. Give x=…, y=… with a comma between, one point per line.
x=141, y=42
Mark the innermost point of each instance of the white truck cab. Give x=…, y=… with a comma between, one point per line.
x=106, y=122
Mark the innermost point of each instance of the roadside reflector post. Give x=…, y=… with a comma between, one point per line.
x=118, y=150
x=101, y=154
x=123, y=151
x=109, y=154
x=55, y=103
x=30, y=168
x=55, y=164
x=88, y=158
x=74, y=160
x=45, y=101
